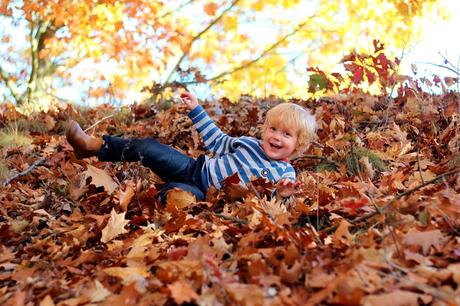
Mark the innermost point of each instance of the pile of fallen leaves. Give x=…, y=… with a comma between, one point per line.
x=375, y=221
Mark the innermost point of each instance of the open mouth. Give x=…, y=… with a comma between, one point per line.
x=275, y=146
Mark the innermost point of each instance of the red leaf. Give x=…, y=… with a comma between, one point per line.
x=358, y=75
x=233, y=179
x=355, y=204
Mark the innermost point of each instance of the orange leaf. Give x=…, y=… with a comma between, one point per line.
x=211, y=8
x=125, y=196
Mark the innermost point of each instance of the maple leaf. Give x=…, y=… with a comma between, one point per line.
x=115, y=226
x=100, y=178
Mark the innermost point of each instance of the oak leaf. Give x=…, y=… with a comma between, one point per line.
x=424, y=239
x=100, y=178
x=181, y=292
x=115, y=226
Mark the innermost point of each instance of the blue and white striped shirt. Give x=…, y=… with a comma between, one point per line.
x=242, y=155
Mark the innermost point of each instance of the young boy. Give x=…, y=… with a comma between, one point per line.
x=287, y=131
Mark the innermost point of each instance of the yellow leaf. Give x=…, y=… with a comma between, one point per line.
x=100, y=178
x=230, y=23
x=115, y=227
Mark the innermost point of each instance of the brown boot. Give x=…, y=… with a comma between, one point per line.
x=83, y=144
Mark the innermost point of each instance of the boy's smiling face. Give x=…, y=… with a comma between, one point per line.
x=279, y=142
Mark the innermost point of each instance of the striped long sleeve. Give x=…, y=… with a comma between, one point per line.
x=242, y=155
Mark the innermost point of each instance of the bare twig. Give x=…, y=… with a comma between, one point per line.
x=35, y=164
x=441, y=66
x=230, y=218
x=105, y=118
x=405, y=193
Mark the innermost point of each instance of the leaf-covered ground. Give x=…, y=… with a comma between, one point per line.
x=375, y=221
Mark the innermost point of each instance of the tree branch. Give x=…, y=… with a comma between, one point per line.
x=198, y=36
x=262, y=55
x=441, y=66
x=10, y=85
x=35, y=164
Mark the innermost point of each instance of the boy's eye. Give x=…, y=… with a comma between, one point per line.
x=272, y=128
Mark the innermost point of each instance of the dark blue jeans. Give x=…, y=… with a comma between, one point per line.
x=177, y=169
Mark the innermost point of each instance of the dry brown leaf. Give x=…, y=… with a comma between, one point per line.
x=342, y=233
x=181, y=292
x=128, y=274
x=180, y=198
x=424, y=239
x=455, y=269
x=100, y=178
x=115, y=226
x=125, y=196
x=99, y=293
x=139, y=247
x=396, y=298
x=47, y=301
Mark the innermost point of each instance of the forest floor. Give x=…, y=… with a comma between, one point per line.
x=374, y=222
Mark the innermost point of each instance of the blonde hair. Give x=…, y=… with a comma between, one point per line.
x=293, y=116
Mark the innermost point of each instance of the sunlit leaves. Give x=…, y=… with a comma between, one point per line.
x=244, y=46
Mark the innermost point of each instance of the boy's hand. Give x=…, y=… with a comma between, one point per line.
x=189, y=100
x=285, y=187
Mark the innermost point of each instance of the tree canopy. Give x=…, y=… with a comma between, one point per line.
x=112, y=50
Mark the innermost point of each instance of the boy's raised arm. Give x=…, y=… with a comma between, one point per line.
x=214, y=139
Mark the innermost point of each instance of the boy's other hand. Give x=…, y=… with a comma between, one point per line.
x=286, y=188
x=189, y=100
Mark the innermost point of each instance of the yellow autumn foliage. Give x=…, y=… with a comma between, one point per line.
x=241, y=47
